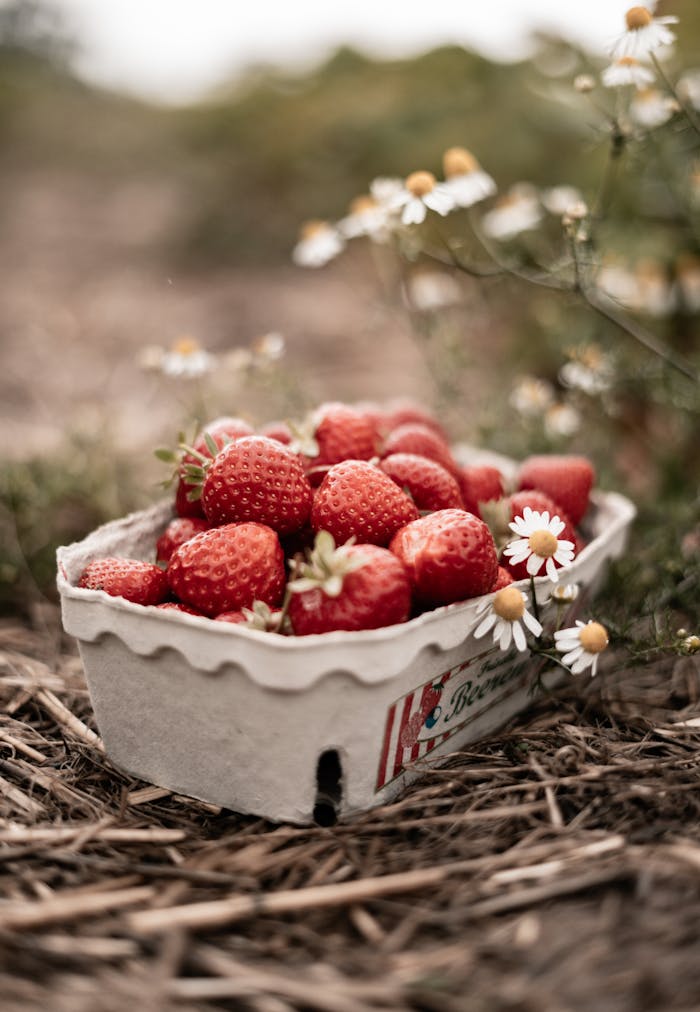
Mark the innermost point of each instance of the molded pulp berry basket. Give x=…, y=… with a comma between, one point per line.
x=302, y=729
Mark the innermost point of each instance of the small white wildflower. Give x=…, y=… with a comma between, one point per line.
x=564, y=593
x=656, y=295
x=384, y=189
x=318, y=243
x=688, y=281
x=419, y=194
x=584, y=83
x=562, y=420
x=187, y=359
x=366, y=217
x=531, y=396
x=269, y=347
x=429, y=290
x=465, y=180
x=619, y=283
x=538, y=543
x=627, y=72
x=561, y=200
x=505, y=613
x=688, y=88
x=651, y=109
x=589, y=370
x=517, y=211
x=581, y=645
x=644, y=33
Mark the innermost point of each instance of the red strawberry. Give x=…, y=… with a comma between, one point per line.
x=450, y=556
x=277, y=430
x=357, y=500
x=480, y=483
x=414, y=437
x=228, y=568
x=177, y=606
x=223, y=431
x=351, y=588
x=567, y=479
x=338, y=432
x=503, y=579
x=257, y=478
x=403, y=412
x=428, y=483
x=140, y=582
x=178, y=531
x=540, y=502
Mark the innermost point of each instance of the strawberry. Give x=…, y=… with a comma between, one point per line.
x=403, y=412
x=335, y=432
x=140, y=582
x=450, y=556
x=428, y=483
x=357, y=500
x=256, y=478
x=178, y=606
x=178, y=531
x=503, y=579
x=414, y=437
x=540, y=502
x=260, y=617
x=228, y=568
x=222, y=431
x=350, y=588
x=480, y=483
x=277, y=430
x=567, y=479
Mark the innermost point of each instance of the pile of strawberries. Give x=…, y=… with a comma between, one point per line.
x=362, y=518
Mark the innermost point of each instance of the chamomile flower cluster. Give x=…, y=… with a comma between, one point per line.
x=187, y=359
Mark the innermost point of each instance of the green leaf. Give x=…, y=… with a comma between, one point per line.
x=166, y=455
x=211, y=444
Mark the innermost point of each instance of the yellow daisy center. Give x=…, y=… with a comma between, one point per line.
x=420, y=183
x=627, y=61
x=543, y=543
x=312, y=228
x=186, y=346
x=362, y=203
x=637, y=17
x=458, y=162
x=509, y=604
x=594, y=637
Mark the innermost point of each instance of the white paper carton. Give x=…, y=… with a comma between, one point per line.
x=302, y=729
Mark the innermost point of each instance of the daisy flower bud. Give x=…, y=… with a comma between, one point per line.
x=584, y=83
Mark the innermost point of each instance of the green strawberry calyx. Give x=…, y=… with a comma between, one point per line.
x=326, y=567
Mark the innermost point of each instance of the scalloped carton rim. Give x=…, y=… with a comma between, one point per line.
x=296, y=730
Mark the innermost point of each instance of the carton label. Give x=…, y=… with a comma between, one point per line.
x=424, y=718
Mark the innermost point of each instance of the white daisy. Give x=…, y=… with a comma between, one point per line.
x=366, y=216
x=688, y=88
x=505, y=613
x=650, y=108
x=268, y=347
x=531, y=396
x=538, y=543
x=644, y=34
x=563, y=199
x=581, y=645
x=385, y=188
x=517, y=211
x=625, y=72
x=562, y=420
x=187, y=359
x=465, y=180
x=564, y=593
x=420, y=193
x=318, y=243
x=430, y=290
x=589, y=370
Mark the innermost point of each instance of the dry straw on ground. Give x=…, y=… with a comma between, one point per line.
x=554, y=867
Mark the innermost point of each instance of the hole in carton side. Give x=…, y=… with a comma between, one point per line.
x=329, y=788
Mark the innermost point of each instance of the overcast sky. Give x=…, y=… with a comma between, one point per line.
x=176, y=49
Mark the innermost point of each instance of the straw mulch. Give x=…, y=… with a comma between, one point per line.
x=555, y=867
